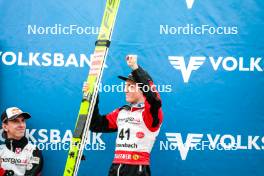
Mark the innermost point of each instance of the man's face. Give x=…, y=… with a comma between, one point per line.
x=133, y=92
x=16, y=128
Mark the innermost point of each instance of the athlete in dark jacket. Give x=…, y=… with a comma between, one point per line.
x=18, y=156
x=137, y=124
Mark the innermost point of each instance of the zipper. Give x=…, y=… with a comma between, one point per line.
x=140, y=168
x=11, y=144
x=118, y=170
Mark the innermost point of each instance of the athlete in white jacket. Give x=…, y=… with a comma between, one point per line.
x=18, y=156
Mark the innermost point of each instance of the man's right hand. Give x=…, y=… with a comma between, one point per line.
x=132, y=61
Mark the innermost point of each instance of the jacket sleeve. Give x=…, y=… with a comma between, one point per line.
x=37, y=164
x=103, y=123
x=152, y=114
x=2, y=171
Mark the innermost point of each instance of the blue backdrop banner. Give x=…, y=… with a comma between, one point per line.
x=206, y=58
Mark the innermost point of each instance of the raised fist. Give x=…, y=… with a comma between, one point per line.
x=132, y=61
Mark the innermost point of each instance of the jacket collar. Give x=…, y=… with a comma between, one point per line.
x=136, y=106
x=13, y=144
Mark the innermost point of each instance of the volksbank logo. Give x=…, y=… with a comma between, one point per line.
x=200, y=142
x=227, y=63
x=178, y=63
x=189, y=3
x=176, y=141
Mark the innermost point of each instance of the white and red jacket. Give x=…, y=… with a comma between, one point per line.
x=20, y=158
x=137, y=125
